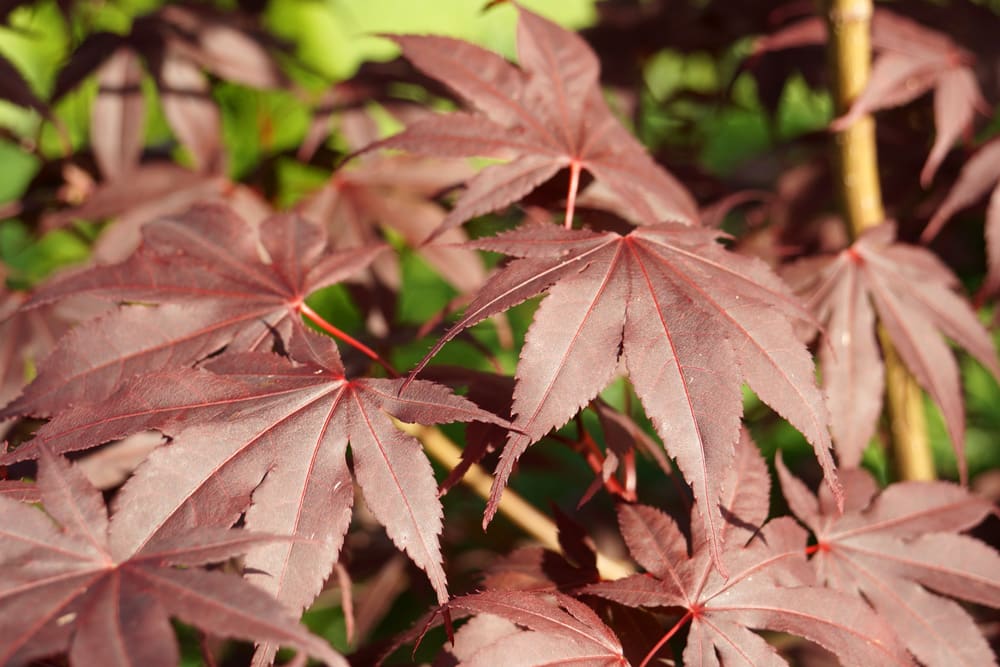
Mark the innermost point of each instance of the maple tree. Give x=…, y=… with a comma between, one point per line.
x=285, y=279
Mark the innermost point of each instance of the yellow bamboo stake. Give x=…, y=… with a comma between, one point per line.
x=856, y=161
x=441, y=448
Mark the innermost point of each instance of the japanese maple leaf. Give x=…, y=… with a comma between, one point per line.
x=207, y=269
x=26, y=337
x=913, y=294
x=911, y=60
x=979, y=176
x=548, y=114
x=769, y=586
x=532, y=629
x=255, y=416
x=395, y=192
x=689, y=321
x=901, y=550
x=177, y=43
x=104, y=590
x=152, y=190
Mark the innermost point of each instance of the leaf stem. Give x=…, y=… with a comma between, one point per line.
x=849, y=24
x=595, y=459
x=318, y=320
x=574, y=185
x=520, y=512
x=665, y=638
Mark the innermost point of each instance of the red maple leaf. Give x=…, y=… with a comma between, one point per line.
x=769, y=586
x=176, y=42
x=395, y=192
x=548, y=114
x=104, y=590
x=532, y=629
x=27, y=337
x=911, y=60
x=891, y=547
x=207, y=270
x=913, y=294
x=979, y=176
x=256, y=416
x=689, y=321
x=152, y=190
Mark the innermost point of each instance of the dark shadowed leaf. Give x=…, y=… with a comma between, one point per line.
x=15, y=89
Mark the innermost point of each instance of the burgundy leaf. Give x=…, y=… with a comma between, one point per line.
x=16, y=90
x=393, y=192
x=655, y=293
x=118, y=118
x=548, y=115
x=956, y=99
x=912, y=293
x=978, y=177
x=902, y=540
x=85, y=59
x=207, y=270
x=70, y=590
x=911, y=60
x=849, y=354
x=560, y=630
x=218, y=43
x=896, y=79
x=769, y=587
x=190, y=110
x=288, y=424
x=26, y=338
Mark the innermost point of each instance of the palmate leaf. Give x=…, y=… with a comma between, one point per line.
x=26, y=337
x=117, y=122
x=691, y=322
x=256, y=416
x=206, y=267
x=892, y=547
x=152, y=190
x=979, y=176
x=547, y=115
x=532, y=629
x=769, y=586
x=78, y=588
x=911, y=60
x=396, y=192
x=913, y=294
x=177, y=43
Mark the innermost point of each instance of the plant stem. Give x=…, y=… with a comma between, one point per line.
x=318, y=320
x=574, y=185
x=849, y=25
x=665, y=638
x=517, y=509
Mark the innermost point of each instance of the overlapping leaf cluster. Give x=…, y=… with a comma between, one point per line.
x=196, y=318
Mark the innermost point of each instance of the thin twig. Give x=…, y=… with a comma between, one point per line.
x=441, y=448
